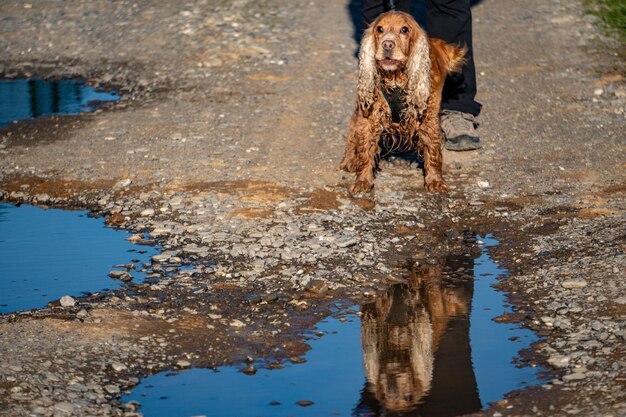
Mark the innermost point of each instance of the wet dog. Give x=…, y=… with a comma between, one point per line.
x=401, y=77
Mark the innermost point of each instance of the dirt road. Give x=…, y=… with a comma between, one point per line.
x=231, y=129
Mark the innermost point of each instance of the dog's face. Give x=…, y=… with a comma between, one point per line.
x=394, y=34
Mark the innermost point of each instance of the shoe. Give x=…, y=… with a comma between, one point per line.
x=459, y=131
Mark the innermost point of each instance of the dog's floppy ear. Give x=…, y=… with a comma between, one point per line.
x=418, y=71
x=368, y=75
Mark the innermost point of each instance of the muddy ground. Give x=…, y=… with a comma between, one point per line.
x=225, y=149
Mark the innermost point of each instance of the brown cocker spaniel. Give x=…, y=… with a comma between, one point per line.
x=401, y=77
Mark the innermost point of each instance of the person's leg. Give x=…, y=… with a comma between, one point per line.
x=451, y=21
x=373, y=8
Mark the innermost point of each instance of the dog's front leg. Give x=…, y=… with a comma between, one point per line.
x=362, y=152
x=431, y=144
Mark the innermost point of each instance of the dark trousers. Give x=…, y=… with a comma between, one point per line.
x=451, y=21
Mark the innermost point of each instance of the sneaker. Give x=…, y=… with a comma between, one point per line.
x=459, y=130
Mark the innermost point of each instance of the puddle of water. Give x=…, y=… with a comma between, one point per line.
x=23, y=99
x=429, y=347
x=45, y=254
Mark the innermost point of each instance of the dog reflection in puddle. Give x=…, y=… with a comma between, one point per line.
x=416, y=346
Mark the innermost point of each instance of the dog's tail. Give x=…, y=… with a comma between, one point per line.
x=449, y=58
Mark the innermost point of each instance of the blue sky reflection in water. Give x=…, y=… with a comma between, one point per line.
x=26, y=98
x=45, y=254
x=425, y=348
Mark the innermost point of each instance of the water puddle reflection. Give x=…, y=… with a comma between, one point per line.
x=26, y=98
x=428, y=347
x=45, y=254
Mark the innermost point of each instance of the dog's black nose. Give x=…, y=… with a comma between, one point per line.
x=388, y=45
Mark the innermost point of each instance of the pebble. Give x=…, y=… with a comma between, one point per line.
x=346, y=241
x=576, y=376
x=147, y=212
x=305, y=403
x=64, y=408
x=67, y=301
x=574, y=283
x=183, y=364
x=559, y=361
x=118, y=366
x=112, y=389
x=122, y=184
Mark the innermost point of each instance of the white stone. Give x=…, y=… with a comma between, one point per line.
x=147, y=212
x=574, y=283
x=67, y=301
x=118, y=367
x=559, y=361
x=183, y=364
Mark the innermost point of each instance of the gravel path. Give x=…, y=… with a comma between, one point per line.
x=224, y=149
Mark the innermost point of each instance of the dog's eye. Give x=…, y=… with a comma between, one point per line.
x=404, y=29
x=380, y=29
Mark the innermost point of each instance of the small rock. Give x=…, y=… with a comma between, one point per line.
x=122, y=184
x=483, y=184
x=147, y=213
x=574, y=376
x=112, y=389
x=346, y=241
x=118, y=367
x=117, y=274
x=64, y=408
x=317, y=286
x=574, y=283
x=237, y=323
x=559, y=361
x=249, y=370
x=183, y=364
x=305, y=403
x=547, y=320
x=67, y=301
x=598, y=92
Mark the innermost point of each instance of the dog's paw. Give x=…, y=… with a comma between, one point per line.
x=360, y=186
x=437, y=186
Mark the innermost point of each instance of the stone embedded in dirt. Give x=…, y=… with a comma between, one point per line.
x=317, y=286
x=122, y=184
x=346, y=241
x=183, y=364
x=112, y=389
x=576, y=376
x=118, y=366
x=574, y=283
x=559, y=361
x=67, y=301
x=237, y=323
x=64, y=409
x=147, y=212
